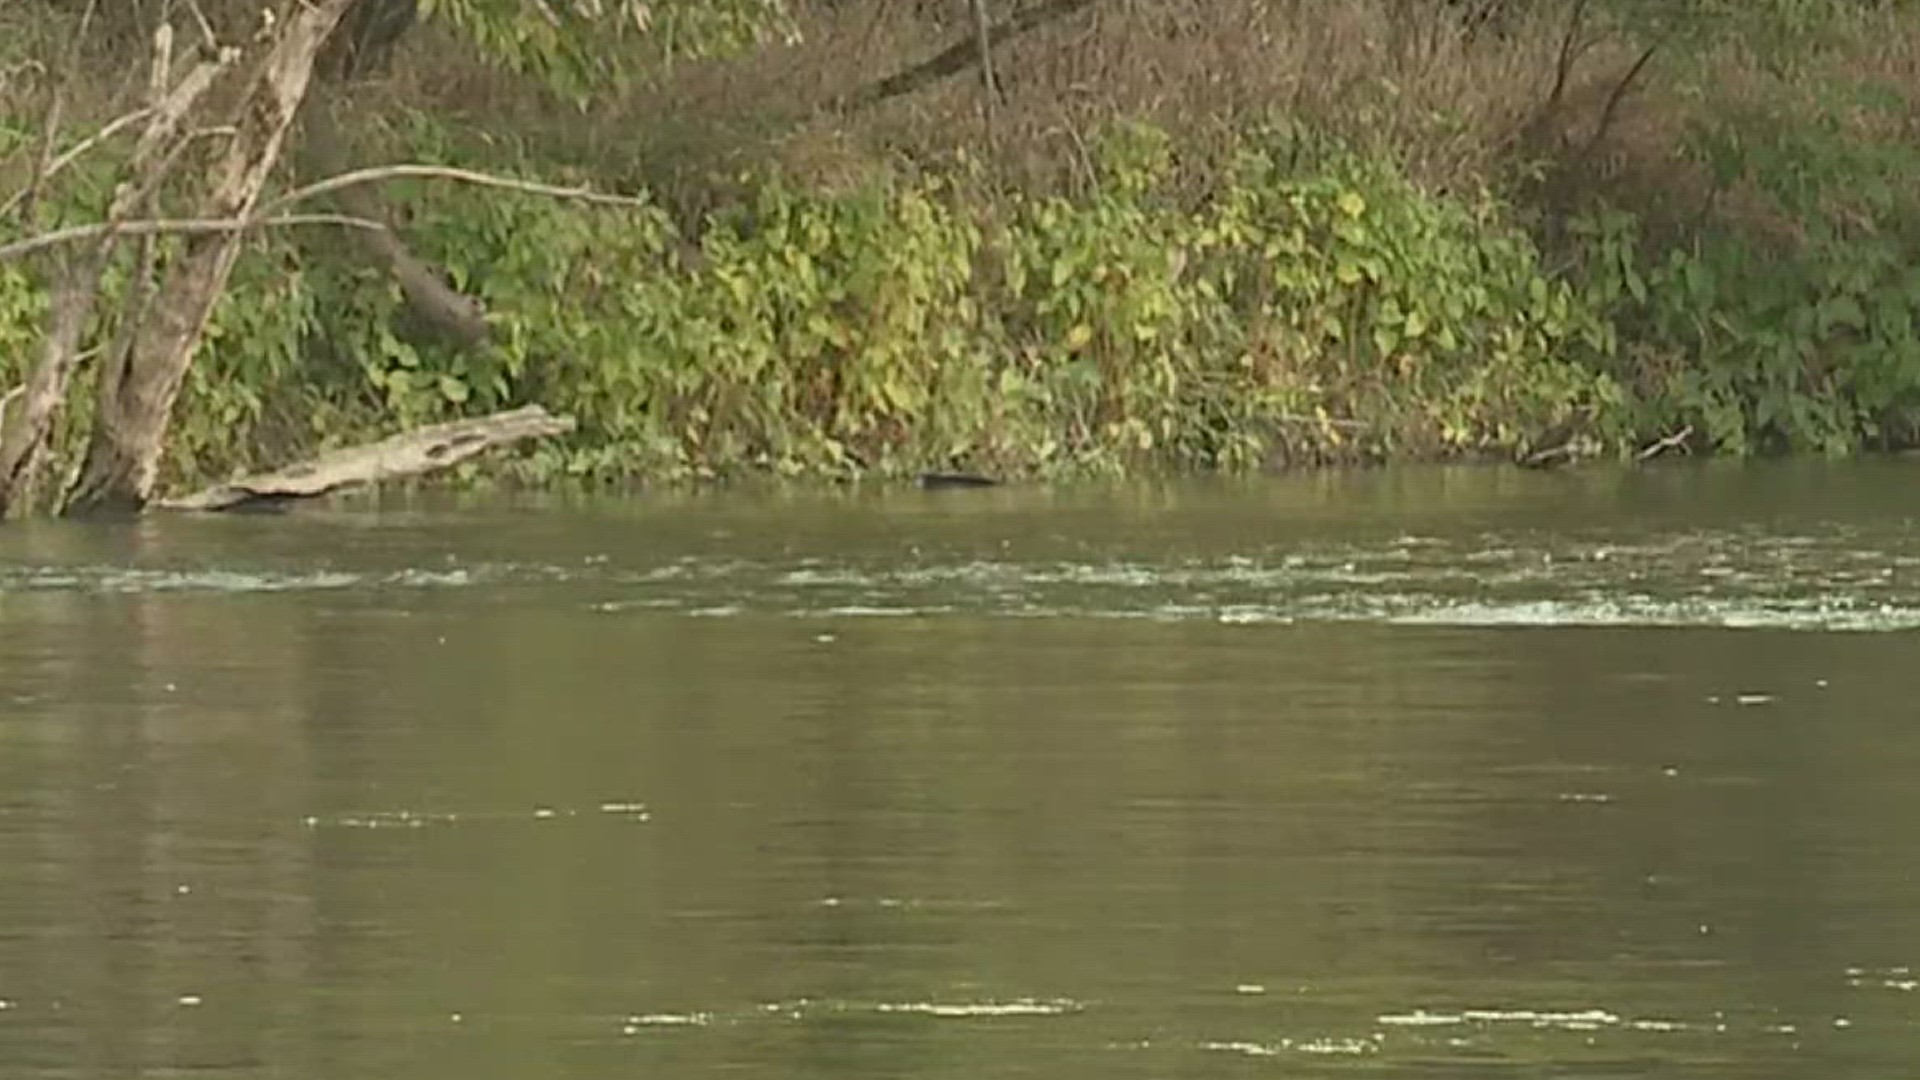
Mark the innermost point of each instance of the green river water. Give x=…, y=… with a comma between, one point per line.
x=1422, y=773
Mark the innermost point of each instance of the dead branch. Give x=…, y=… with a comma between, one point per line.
x=408, y=454
x=1571, y=49
x=958, y=56
x=1675, y=441
x=73, y=153
x=989, y=85
x=444, y=307
x=78, y=280
x=332, y=184
x=136, y=390
x=175, y=226
x=1619, y=95
x=374, y=174
x=50, y=130
x=446, y=310
x=206, y=28
x=1573, y=45
x=167, y=110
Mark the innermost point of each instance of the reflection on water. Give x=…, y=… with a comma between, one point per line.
x=1426, y=774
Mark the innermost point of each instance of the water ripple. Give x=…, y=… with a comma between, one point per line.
x=1841, y=580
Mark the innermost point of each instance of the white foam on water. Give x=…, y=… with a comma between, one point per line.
x=1353, y=1047
x=669, y=1019
x=1250, y=1049
x=1421, y=1018
x=959, y=1010
x=1832, y=581
x=1318, y=1046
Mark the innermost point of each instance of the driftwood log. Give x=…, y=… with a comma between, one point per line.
x=411, y=453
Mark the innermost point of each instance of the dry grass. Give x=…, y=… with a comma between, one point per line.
x=1458, y=110
x=1389, y=75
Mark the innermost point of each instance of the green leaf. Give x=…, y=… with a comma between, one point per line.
x=1636, y=286
x=1841, y=311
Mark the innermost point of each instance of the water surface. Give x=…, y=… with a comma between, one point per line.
x=1410, y=774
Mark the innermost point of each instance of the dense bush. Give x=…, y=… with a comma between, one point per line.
x=1786, y=320
x=1432, y=255
x=1317, y=305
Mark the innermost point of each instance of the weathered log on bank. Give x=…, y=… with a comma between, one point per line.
x=410, y=453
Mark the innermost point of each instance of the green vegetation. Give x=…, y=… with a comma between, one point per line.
x=1219, y=235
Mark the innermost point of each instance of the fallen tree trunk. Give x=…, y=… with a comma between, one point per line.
x=410, y=453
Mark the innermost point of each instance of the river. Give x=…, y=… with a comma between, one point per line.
x=1410, y=773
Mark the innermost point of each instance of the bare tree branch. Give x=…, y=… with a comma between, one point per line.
x=958, y=56
x=78, y=279
x=175, y=227
x=136, y=391
x=1619, y=95
x=377, y=173
x=73, y=153
x=1675, y=441
x=989, y=85
x=200, y=226
x=56, y=109
x=1571, y=49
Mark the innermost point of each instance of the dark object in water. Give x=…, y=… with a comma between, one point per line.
x=934, y=481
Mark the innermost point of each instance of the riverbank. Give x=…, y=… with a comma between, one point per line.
x=1233, y=242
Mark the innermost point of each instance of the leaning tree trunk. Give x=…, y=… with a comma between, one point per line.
x=138, y=386
x=77, y=278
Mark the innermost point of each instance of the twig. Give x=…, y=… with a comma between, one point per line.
x=1083, y=157
x=1677, y=440
x=56, y=109
x=176, y=226
x=1618, y=95
x=989, y=84
x=207, y=36
x=77, y=281
x=72, y=153
x=314, y=190
x=1571, y=49
x=440, y=172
